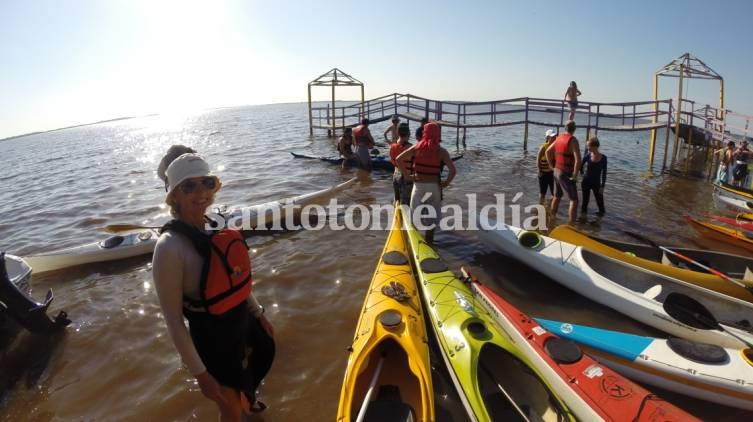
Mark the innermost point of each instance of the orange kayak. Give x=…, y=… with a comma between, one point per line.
x=737, y=237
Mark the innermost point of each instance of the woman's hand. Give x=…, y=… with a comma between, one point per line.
x=210, y=388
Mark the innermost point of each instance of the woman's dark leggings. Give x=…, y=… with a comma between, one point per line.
x=598, y=194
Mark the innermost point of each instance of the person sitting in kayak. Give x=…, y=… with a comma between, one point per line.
x=229, y=345
x=594, y=171
x=392, y=130
x=402, y=186
x=741, y=157
x=345, y=148
x=427, y=158
x=564, y=156
x=364, y=144
x=545, y=173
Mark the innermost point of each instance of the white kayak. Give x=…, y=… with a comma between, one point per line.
x=704, y=371
x=141, y=242
x=730, y=202
x=628, y=289
x=19, y=272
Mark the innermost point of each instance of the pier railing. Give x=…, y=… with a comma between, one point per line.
x=721, y=126
x=464, y=115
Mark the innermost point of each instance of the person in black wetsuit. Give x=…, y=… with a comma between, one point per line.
x=594, y=171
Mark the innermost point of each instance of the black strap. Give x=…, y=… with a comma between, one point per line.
x=202, y=244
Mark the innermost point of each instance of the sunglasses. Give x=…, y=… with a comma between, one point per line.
x=190, y=186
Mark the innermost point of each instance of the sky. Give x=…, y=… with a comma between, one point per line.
x=68, y=62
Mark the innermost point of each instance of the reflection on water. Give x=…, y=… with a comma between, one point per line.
x=115, y=361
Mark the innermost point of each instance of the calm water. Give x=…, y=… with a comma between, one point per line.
x=115, y=362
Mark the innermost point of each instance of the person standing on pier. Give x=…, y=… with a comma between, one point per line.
x=545, y=173
x=364, y=144
x=571, y=97
x=392, y=131
x=594, y=176
x=564, y=156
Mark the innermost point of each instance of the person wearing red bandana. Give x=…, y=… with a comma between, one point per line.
x=427, y=158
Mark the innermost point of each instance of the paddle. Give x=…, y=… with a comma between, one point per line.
x=691, y=312
x=370, y=391
x=118, y=228
x=692, y=261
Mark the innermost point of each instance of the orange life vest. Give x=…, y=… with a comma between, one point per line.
x=564, y=158
x=359, y=134
x=397, y=149
x=226, y=271
x=427, y=162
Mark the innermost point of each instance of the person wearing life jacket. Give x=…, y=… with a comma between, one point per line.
x=427, y=157
x=545, y=173
x=364, y=144
x=402, y=186
x=564, y=156
x=205, y=275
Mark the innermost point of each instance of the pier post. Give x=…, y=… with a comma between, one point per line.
x=652, y=149
x=311, y=117
x=525, y=130
x=666, y=134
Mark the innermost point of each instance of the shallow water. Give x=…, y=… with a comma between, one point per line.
x=115, y=362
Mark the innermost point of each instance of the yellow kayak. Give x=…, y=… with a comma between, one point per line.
x=569, y=234
x=388, y=376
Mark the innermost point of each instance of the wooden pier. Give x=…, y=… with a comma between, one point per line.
x=553, y=113
x=714, y=125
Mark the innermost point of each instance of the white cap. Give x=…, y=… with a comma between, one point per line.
x=186, y=166
x=550, y=133
x=174, y=152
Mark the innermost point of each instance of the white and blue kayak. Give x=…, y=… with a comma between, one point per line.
x=141, y=241
x=646, y=296
x=704, y=371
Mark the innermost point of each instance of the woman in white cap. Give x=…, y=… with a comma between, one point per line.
x=545, y=173
x=205, y=276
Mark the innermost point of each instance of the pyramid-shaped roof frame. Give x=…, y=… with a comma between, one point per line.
x=691, y=67
x=335, y=77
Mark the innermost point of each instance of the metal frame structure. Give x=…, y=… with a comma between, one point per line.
x=333, y=78
x=685, y=66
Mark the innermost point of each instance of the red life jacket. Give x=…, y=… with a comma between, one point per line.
x=397, y=149
x=427, y=162
x=564, y=158
x=226, y=271
x=359, y=134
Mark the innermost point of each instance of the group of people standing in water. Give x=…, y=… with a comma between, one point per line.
x=204, y=275
x=733, y=161
x=559, y=164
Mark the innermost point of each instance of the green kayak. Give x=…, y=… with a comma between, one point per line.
x=495, y=381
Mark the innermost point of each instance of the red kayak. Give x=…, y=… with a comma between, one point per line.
x=590, y=390
x=740, y=222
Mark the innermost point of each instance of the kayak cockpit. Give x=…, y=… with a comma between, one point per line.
x=512, y=391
